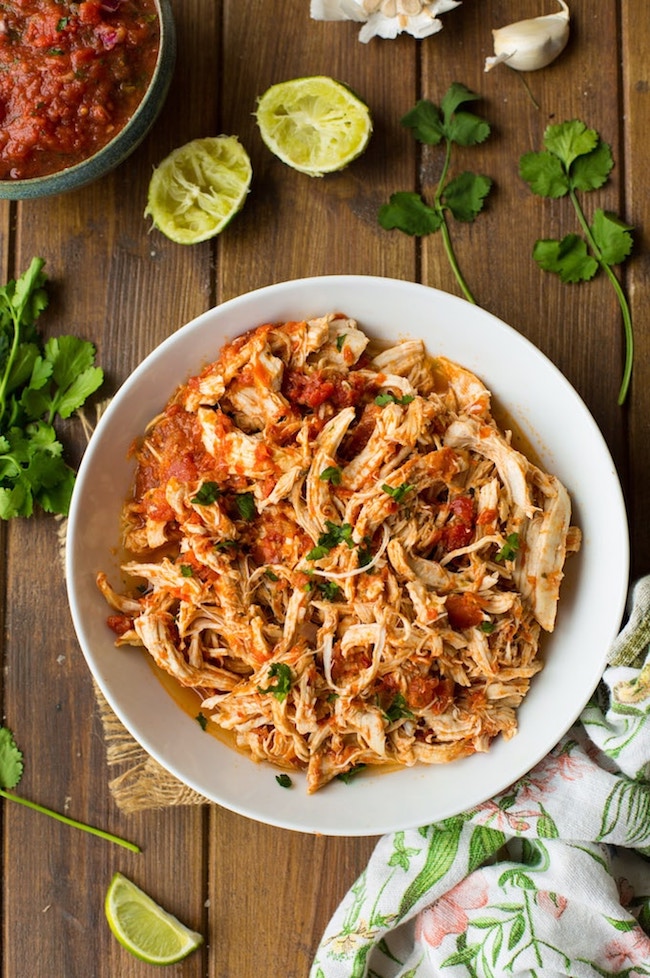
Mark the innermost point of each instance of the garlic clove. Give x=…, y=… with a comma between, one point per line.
x=528, y=45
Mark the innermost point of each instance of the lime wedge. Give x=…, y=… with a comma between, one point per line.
x=144, y=928
x=315, y=124
x=198, y=188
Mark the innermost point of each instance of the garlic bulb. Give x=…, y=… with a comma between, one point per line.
x=386, y=18
x=531, y=44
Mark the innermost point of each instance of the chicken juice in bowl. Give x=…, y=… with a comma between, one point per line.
x=323, y=657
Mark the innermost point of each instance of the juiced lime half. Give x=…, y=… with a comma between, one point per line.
x=198, y=188
x=314, y=124
x=144, y=928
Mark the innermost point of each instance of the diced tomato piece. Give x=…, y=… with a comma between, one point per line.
x=463, y=610
x=120, y=624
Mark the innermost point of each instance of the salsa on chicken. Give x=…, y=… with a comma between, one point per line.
x=341, y=552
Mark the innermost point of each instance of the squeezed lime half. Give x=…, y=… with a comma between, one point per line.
x=197, y=190
x=315, y=124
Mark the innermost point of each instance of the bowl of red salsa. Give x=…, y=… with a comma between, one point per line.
x=81, y=84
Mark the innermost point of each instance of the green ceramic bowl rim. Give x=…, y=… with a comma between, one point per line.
x=126, y=140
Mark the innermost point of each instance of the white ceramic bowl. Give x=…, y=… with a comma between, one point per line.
x=547, y=411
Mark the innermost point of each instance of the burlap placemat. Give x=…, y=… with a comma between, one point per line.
x=139, y=781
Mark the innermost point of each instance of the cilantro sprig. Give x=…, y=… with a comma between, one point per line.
x=575, y=159
x=11, y=772
x=462, y=196
x=39, y=382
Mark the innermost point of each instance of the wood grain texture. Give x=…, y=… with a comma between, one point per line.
x=262, y=896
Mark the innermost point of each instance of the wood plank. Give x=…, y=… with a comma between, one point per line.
x=577, y=326
x=636, y=145
x=126, y=290
x=295, y=226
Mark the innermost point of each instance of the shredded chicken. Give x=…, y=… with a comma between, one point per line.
x=345, y=557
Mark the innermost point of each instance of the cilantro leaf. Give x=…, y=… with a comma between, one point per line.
x=407, y=212
x=612, y=237
x=569, y=140
x=568, y=257
x=331, y=474
x=332, y=537
x=246, y=505
x=284, y=780
x=11, y=760
x=425, y=121
x=282, y=673
x=398, y=710
x=544, y=174
x=207, y=494
x=466, y=129
x=431, y=128
x=509, y=549
x=27, y=366
x=465, y=195
x=350, y=774
x=73, y=372
x=455, y=96
x=398, y=492
x=330, y=590
x=590, y=172
x=386, y=397
x=11, y=771
x=32, y=470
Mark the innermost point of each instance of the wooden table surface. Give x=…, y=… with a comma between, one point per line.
x=262, y=896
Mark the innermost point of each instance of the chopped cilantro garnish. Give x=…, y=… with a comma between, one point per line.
x=333, y=536
x=281, y=672
x=398, y=710
x=284, y=780
x=226, y=544
x=487, y=627
x=208, y=493
x=510, y=548
x=246, y=505
x=387, y=398
x=340, y=340
x=271, y=575
x=364, y=552
x=186, y=570
x=347, y=776
x=202, y=721
x=331, y=474
x=398, y=492
x=330, y=590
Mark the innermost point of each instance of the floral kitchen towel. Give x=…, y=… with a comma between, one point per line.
x=549, y=878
